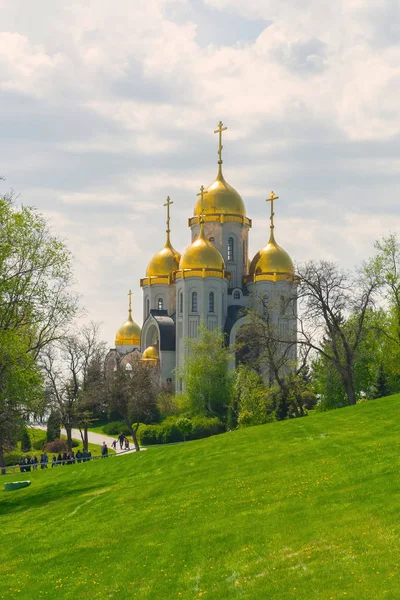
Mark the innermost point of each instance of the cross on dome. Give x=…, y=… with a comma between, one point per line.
x=220, y=129
x=271, y=199
x=168, y=204
x=201, y=194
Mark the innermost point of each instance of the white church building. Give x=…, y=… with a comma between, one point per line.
x=211, y=282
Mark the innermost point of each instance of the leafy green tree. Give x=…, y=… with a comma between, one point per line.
x=382, y=385
x=185, y=426
x=207, y=380
x=252, y=399
x=35, y=307
x=53, y=427
x=26, y=443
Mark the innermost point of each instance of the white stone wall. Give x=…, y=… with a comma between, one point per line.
x=152, y=294
x=188, y=321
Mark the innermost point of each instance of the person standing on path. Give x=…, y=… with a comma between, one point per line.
x=103, y=450
x=121, y=438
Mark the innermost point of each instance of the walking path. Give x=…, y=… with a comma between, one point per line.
x=95, y=438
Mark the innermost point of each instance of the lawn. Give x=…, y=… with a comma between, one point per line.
x=299, y=510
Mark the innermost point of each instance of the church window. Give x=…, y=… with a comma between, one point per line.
x=282, y=306
x=212, y=240
x=160, y=304
x=194, y=301
x=180, y=303
x=230, y=248
x=236, y=295
x=211, y=302
x=147, y=307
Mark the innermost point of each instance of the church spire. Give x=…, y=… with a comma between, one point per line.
x=220, y=129
x=168, y=204
x=272, y=199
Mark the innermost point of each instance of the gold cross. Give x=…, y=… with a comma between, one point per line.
x=271, y=199
x=130, y=300
x=220, y=129
x=168, y=204
x=201, y=194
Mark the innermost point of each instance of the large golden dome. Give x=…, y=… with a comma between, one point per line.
x=164, y=262
x=220, y=199
x=271, y=261
x=202, y=254
x=129, y=333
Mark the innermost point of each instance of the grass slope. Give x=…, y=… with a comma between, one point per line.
x=300, y=509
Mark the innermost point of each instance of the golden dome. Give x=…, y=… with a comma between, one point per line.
x=151, y=353
x=202, y=254
x=271, y=260
x=164, y=262
x=129, y=333
x=220, y=199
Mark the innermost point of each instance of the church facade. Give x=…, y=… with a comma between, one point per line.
x=212, y=282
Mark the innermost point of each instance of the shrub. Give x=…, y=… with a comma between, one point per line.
x=185, y=426
x=57, y=446
x=115, y=428
x=169, y=431
x=26, y=443
x=204, y=427
x=53, y=427
x=13, y=458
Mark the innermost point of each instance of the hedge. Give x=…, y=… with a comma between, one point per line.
x=168, y=432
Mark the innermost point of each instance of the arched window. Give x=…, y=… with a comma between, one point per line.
x=230, y=248
x=147, y=307
x=236, y=295
x=282, y=308
x=212, y=240
x=160, y=304
x=194, y=301
x=211, y=302
x=180, y=303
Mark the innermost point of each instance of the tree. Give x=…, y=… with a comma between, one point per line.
x=26, y=443
x=329, y=297
x=252, y=401
x=53, y=427
x=205, y=373
x=73, y=369
x=132, y=394
x=382, y=386
x=185, y=426
x=35, y=306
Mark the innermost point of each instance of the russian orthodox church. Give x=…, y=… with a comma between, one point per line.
x=212, y=282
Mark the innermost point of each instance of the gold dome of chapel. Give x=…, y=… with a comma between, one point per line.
x=151, y=353
x=164, y=262
x=272, y=260
x=129, y=333
x=220, y=197
x=202, y=254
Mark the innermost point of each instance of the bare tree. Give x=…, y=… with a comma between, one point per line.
x=132, y=393
x=74, y=377
x=334, y=305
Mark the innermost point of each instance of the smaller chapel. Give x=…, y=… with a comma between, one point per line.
x=213, y=281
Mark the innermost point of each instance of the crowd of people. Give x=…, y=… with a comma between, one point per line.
x=65, y=458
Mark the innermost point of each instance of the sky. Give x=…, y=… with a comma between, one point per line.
x=107, y=107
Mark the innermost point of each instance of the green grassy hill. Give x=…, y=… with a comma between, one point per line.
x=306, y=509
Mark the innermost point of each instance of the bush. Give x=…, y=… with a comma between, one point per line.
x=115, y=428
x=26, y=443
x=204, y=427
x=13, y=458
x=169, y=431
x=57, y=446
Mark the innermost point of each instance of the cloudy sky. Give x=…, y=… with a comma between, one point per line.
x=107, y=107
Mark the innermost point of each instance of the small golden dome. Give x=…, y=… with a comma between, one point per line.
x=272, y=259
x=202, y=254
x=220, y=199
x=164, y=262
x=129, y=333
x=151, y=353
